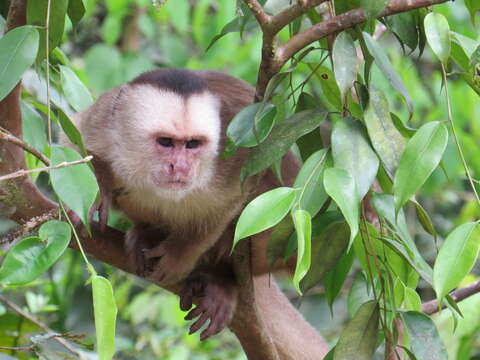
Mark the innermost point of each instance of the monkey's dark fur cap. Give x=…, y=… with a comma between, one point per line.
x=180, y=81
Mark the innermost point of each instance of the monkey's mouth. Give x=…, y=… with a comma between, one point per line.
x=170, y=182
x=177, y=182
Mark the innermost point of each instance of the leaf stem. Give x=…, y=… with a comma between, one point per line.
x=455, y=136
x=79, y=244
x=47, y=72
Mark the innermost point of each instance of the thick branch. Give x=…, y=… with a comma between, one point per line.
x=460, y=294
x=285, y=17
x=342, y=22
x=257, y=10
x=20, y=196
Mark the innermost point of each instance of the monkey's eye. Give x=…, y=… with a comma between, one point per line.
x=165, y=142
x=192, y=144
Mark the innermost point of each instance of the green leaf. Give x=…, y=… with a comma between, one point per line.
x=387, y=69
x=71, y=131
x=425, y=341
x=351, y=151
x=330, y=235
x=33, y=127
x=37, y=15
x=345, y=62
x=373, y=8
x=329, y=87
x=112, y=28
x=422, y=155
x=232, y=26
x=312, y=195
x=32, y=256
x=424, y=219
x=303, y=227
x=438, y=35
x=101, y=78
x=359, y=293
x=358, y=340
x=473, y=7
x=75, y=185
x=404, y=26
x=281, y=138
x=340, y=185
x=274, y=83
x=241, y=127
x=19, y=49
x=75, y=91
x=412, y=300
x=384, y=206
x=264, y=211
x=75, y=11
x=105, y=311
x=336, y=277
x=456, y=258
x=386, y=139
x=475, y=61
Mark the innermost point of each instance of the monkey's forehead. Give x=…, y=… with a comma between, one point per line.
x=179, y=81
x=151, y=109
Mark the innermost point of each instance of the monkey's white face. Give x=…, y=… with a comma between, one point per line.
x=167, y=144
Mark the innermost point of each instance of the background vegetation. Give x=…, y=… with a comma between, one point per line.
x=118, y=39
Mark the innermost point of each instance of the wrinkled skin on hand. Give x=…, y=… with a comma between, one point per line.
x=215, y=294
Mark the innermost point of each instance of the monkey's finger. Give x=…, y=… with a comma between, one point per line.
x=186, y=298
x=199, y=323
x=217, y=324
x=103, y=214
x=195, y=312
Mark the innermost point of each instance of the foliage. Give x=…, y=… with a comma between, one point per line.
x=387, y=197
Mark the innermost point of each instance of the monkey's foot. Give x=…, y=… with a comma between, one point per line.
x=215, y=298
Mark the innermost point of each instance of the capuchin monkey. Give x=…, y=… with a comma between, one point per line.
x=157, y=143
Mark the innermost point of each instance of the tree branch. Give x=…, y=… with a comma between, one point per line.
x=37, y=322
x=273, y=59
x=19, y=195
x=5, y=136
x=257, y=10
x=431, y=307
x=23, y=172
x=342, y=22
x=285, y=17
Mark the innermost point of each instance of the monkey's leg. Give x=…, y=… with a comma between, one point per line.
x=214, y=291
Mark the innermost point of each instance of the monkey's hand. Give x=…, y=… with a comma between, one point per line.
x=168, y=262
x=215, y=296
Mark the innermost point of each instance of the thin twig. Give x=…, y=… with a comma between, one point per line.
x=23, y=172
x=37, y=322
x=260, y=14
x=18, y=348
x=28, y=227
x=14, y=140
x=460, y=294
